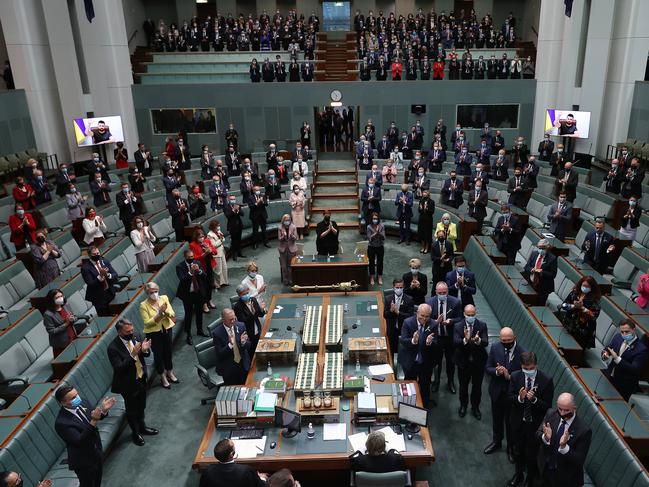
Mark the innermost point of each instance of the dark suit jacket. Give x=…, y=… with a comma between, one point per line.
x=124, y=371
x=403, y=210
x=185, y=280
x=230, y=475
x=446, y=192
x=571, y=184
x=417, y=295
x=546, y=148
x=389, y=462
x=258, y=211
x=499, y=386
x=614, y=181
x=508, y=239
x=470, y=354
x=599, y=262
x=406, y=310
x=95, y=292
x=465, y=294
x=570, y=467
x=178, y=218
x=371, y=205
x=484, y=177
x=544, y=393
x=440, y=268
x=384, y=149
x=62, y=181
x=247, y=318
x=234, y=218
x=139, y=162
x=408, y=352
x=224, y=354
x=478, y=209
x=500, y=173
x=99, y=193
x=517, y=198
x=530, y=172
x=632, y=186
x=81, y=439
x=626, y=374
x=548, y=271
x=454, y=312
x=125, y=211
x=378, y=177
x=558, y=225
x=435, y=163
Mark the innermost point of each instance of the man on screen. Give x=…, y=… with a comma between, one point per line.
x=101, y=135
x=567, y=126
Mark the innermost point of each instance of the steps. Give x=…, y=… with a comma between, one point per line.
x=335, y=190
x=140, y=56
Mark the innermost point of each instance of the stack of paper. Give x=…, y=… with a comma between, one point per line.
x=265, y=401
x=357, y=442
x=334, y=431
x=249, y=448
x=393, y=440
x=383, y=369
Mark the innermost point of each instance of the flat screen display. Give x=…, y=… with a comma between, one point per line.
x=98, y=130
x=567, y=123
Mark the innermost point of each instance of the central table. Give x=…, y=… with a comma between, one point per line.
x=364, y=318
x=324, y=271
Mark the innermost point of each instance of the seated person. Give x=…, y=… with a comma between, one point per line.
x=377, y=460
x=580, y=310
x=642, y=299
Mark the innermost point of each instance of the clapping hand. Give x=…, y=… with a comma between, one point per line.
x=194, y=267
x=611, y=353
x=244, y=338
x=163, y=308
x=146, y=345
x=476, y=338
x=522, y=394
x=107, y=403
x=467, y=334
x=393, y=308
x=564, y=438
x=45, y=483
x=429, y=339
x=610, y=249
x=531, y=394
x=415, y=337
x=547, y=432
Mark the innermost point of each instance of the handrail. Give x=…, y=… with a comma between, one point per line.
x=132, y=36
x=535, y=32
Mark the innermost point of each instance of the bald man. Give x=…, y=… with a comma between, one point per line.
x=567, y=181
x=232, y=347
x=471, y=339
x=418, y=346
x=564, y=442
x=504, y=358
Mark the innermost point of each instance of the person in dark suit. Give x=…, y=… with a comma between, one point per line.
x=76, y=425
x=129, y=206
x=257, y=204
x=446, y=311
x=436, y=158
x=100, y=189
x=403, y=201
x=628, y=357
x=126, y=354
x=100, y=277
x=96, y=165
x=377, y=459
x=499, y=169
x=441, y=254
x=327, y=235
x=530, y=395
x=143, y=160
x=614, y=178
x=597, y=246
x=470, y=339
x=371, y=200
x=517, y=189
x=567, y=181
x=546, y=147
x=226, y=473
x=232, y=347
x=463, y=161
x=248, y=312
x=182, y=155
x=530, y=173
x=63, y=180
x=541, y=269
x=397, y=307
x=560, y=217
x=632, y=183
x=557, y=160
x=384, y=148
x=415, y=282
x=564, y=440
x=417, y=347
x=507, y=234
x=478, y=199
x=452, y=191
x=192, y=289
x=503, y=360
x=178, y=209
x=461, y=282
x=420, y=183
x=480, y=174
x=234, y=213
x=375, y=174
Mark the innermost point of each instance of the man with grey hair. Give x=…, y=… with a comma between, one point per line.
x=564, y=440
x=541, y=269
x=377, y=460
x=232, y=348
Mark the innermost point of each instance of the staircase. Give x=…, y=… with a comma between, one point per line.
x=336, y=60
x=335, y=188
x=138, y=58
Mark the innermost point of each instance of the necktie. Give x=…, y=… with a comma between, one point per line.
x=527, y=405
x=82, y=415
x=598, y=242
x=539, y=261
x=419, y=359
x=507, y=358
x=554, y=446
x=518, y=181
x=441, y=312
x=139, y=371
x=235, y=346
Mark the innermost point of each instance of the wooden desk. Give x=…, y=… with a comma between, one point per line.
x=627, y=424
x=558, y=247
x=597, y=384
x=298, y=453
x=62, y=364
x=521, y=286
x=566, y=344
x=29, y=399
x=318, y=270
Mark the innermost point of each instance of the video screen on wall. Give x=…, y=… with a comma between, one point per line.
x=567, y=123
x=98, y=130
x=497, y=116
x=189, y=120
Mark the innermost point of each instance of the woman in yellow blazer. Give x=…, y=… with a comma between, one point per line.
x=449, y=228
x=159, y=317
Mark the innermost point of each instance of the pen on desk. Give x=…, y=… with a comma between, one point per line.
x=261, y=450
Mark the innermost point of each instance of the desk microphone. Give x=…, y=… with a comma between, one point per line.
x=563, y=330
x=626, y=304
x=29, y=404
x=627, y=417
x=543, y=315
x=601, y=376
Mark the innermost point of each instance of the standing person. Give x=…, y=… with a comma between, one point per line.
x=234, y=212
x=257, y=204
x=126, y=354
x=397, y=307
x=76, y=203
x=23, y=228
x=375, y=248
x=567, y=181
x=415, y=282
x=471, y=339
x=232, y=348
x=192, y=288
x=425, y=224
x=630, y=220
x=305, y=134
x=255, y=283
x=76, y=425
x=93, y=227
x=249, y=311
x=59, y=321
x=560, y=217
x=204, y=253
x=504, y=359
x=143, y=239
x=44, y=254
x=99, y=276
x=287, y=236
x=597, y=247
x=507, y=234
x=297, y=200
x=564, y=440
x=370, y=200
x=541, y=267
x=159, y=318
x=461, y=282
x=24, y=194
x=218, y=242
x=441, y=255
x=404, y=202
x=197, y=203
x=129, y=207
x=178, y=209
x=100, y=188
x=530, y=395
x=478, y=199
x=327, y=235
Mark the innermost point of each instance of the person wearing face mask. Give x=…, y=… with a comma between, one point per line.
x=598, y=246
x=287, y=236
x=530, y=395
x=41, y=188
x=143, y=160
x=136, y=179
x=520, y=152
x=504, y=359
x=557, y=160
x=182, y=155
x=545, y=149
x=389, y=172
x=143, y=239
x=100, y=279
x=129, y=206
x=23, y=228
x=248, y=311
x=507, y=233
x=257, y=204
x=44, y=254
x=385, y=147
x=297, y=201
x=415, y=282
x=370, y=200
x=24, y=194
x=327, y=235
x=452, y=190
x=120, y=154
x=541, y=269
x=234, y=213
x=159, y=318
x=59, y=321
x=204, y=253
x=632, y=184
x=375, y=248
x=14, y=479
x=217, y=240
x=461, y=282
x=567, y=180
x=630, y=220
x=560, y=217
x=500, y=167
x=96, y=165
x=76, y=424
x=450, y=231
x=471, y=339
x=420, y=182
x=100, y=189
x=63, y=180
x=425, y=224
x=579, y=311
x=627, y=356
x=614, y=178
x=218, y=193
x=255, y=284
x=375, y=174
x=273, y=187
x=397, y=307
x=477, y=202
x=517, y=189
x=436, y=157
x=192, y=289
x=197, y=203
x=564, y=440
x=171, y=181
x=178, y=209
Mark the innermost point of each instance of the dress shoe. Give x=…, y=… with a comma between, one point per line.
x=408, y=243
x=165, y=386
x=149, y=431
x=400, y=241
x=241, y=255
x=189, y=340
x=267, y=245
x=492, y=447
x=516, y=480
x=476, y=413
x=451, y=387
x=462, y=411
x=202, y=333
x=138, y=440
x=174, y=380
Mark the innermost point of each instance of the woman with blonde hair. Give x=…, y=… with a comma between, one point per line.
x=254, y=281
x=143, y=239
x=449, y=229
x=217, y=239
x=287, y=236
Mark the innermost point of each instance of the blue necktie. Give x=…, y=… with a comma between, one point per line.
x=554, y=446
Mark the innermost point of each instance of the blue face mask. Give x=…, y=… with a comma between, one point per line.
x=585, y=289
x=529, y=373
x=245, y=298
x=126, y=190
x=541, y=252
x=414, y=271
x=252, y=275
x=398, y=291
x=286, y=223
x=442, y=297
x=628, y=338
x=460, y=269
x=632, y=203
x=469, y=319
x=76, y=402
x=375, y=221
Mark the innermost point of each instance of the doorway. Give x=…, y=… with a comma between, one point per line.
x=335, y=127
x=462, y=8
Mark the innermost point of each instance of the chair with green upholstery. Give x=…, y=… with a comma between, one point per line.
x=206, y=366
x=398, y=478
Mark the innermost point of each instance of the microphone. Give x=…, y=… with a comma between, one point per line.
x=601, y=375
x=627, y=417
x=563, y=330
x=543, y=314
x=626, y=304
x=29, y=403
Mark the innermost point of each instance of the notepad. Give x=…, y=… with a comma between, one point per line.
x=268, y=335
x=374, y=306
x=278, y=309
x=334, y=431
x=249, y=448
x=265, y=401
x=382, y=369
x=357, y=442
x=393, y=440
x=375, y=330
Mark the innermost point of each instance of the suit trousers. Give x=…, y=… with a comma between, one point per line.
x=525, y=450
x=472, y=374
x=422, y=373
x=162, y=347
x=285, y=267
x=235, y=241
x=193, y=304
x=90, y=477
x=236, y=375
x=259, y=231
x=445, y=343
x=404, y=227
x=127, y=225
x=375, y=256
x=499, y=419
x=135, y=404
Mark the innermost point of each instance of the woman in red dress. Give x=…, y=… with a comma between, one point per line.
x=204, y=252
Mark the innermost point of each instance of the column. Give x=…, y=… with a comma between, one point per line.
x=404, y=7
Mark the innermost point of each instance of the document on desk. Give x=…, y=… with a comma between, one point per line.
x=278, y=309
x=393, y=440
x=250, y=448
x=382, y=369
x=334, y=431
x=357, y=442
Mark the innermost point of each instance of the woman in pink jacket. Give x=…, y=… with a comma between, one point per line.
x=643, y=291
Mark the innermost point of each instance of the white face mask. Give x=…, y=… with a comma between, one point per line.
x=59, y=301
x=155, y=296
x=140, y=225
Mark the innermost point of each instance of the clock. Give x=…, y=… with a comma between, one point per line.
x=336, y=95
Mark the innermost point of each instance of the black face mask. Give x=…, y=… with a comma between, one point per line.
x=508, y=346
x=95, y=257
x=566, y=416
x=326, y=219
x=189, y=261
x=128, y=337
x=40, y=239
